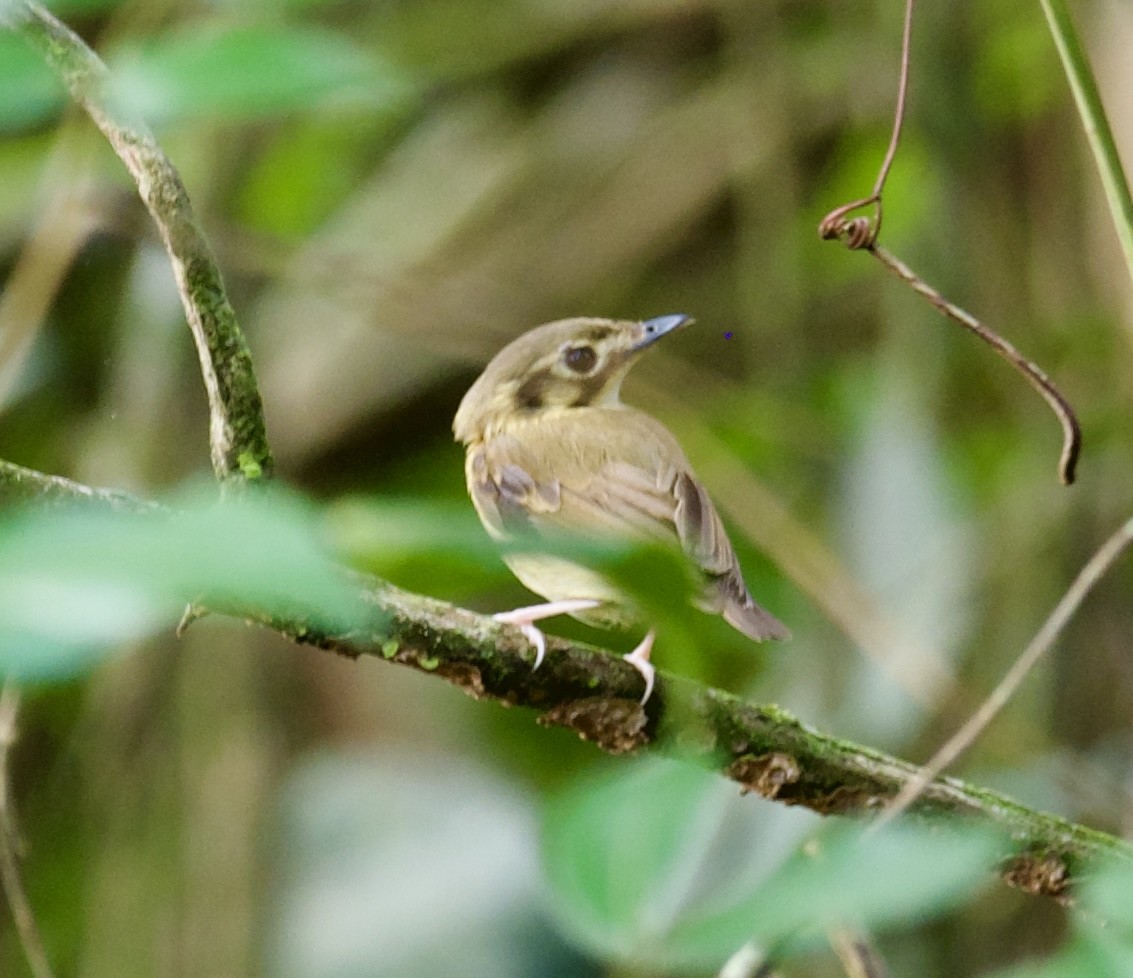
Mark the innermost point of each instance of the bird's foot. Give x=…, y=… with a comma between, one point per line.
x=524, y=619
x=639, y=659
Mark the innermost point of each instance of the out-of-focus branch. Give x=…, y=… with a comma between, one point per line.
x=237, y=438
x=20, y=486
x=10, y=877
x=596, y=694
x=859, y=957
x=67, y=220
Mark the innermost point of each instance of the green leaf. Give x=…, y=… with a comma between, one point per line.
x=29, y=93
x=376, y=534
x=379, y=535
x=1109, y=895
x=75, y=582
x=630, y=853
x=74, y=8
x=248, y=71
x=897, y=876
x=668, y=867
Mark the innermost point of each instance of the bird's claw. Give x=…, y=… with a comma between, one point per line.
x=639, y=659
x=519, y=619
x=523, y=619
x=538, y=641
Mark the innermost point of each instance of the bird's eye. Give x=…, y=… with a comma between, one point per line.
x=581, y=359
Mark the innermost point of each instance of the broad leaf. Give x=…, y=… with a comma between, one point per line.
x=73, y=582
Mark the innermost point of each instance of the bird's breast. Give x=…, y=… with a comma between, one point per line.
x=558, y=579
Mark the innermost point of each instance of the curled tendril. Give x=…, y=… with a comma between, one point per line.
x=856, y=233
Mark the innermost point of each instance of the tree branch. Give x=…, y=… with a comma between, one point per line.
x=237, y=438
x=26, y=487
x=595, y=693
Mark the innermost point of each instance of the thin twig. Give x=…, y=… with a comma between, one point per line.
x=1036, y=377
x=859, y=957
x=899, y=113
x=960, y=741
x=238, y=442
x=25, y=487
x=26, y=927
x=749, y=962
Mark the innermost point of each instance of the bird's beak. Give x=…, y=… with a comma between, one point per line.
x=653, y=329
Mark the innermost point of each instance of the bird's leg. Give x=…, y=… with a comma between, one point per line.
x=524, y=619
x=639, y=659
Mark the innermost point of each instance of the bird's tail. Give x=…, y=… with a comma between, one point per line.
x=755, y=622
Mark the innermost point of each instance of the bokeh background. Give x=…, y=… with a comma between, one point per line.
x=395, y=189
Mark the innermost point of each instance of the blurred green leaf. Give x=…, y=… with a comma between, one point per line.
x=311, y=166
x=1109, y=895
x=74, y=582
x=72, y=8
x=630, y=854
x=376, y=533
x=29, y=93
x=608, y=846
x=641, y=868
x=249, y=71
x=897, y=876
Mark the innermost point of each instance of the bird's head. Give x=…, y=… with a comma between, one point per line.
x=571, y=363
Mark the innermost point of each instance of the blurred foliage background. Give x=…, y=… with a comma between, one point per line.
x=395, y=189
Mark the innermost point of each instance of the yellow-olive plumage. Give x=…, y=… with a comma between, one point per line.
x=552, y=450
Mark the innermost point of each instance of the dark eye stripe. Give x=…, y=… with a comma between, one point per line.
x=531, y=392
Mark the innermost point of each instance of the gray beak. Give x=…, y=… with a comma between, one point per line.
x=654, y=329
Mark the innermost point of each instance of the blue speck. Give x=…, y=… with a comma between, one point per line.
x=728, y=335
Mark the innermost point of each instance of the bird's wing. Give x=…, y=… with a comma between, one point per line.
x=573, y=476
x=611, y=472
x=705, y=540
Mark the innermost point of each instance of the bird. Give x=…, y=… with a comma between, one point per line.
x=551, y=451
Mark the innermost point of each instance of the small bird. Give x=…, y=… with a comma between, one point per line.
x=552, y=450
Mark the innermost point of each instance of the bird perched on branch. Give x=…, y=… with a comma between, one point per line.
x=551, y=450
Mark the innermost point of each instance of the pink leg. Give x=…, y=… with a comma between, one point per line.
x=639, y=659
x=524, y=618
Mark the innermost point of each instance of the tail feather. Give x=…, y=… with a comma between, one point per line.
x=755, y=622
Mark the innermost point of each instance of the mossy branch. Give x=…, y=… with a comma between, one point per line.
x=594, y=693
x=238, y=442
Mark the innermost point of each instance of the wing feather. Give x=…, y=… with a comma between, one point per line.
x=582, y=472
